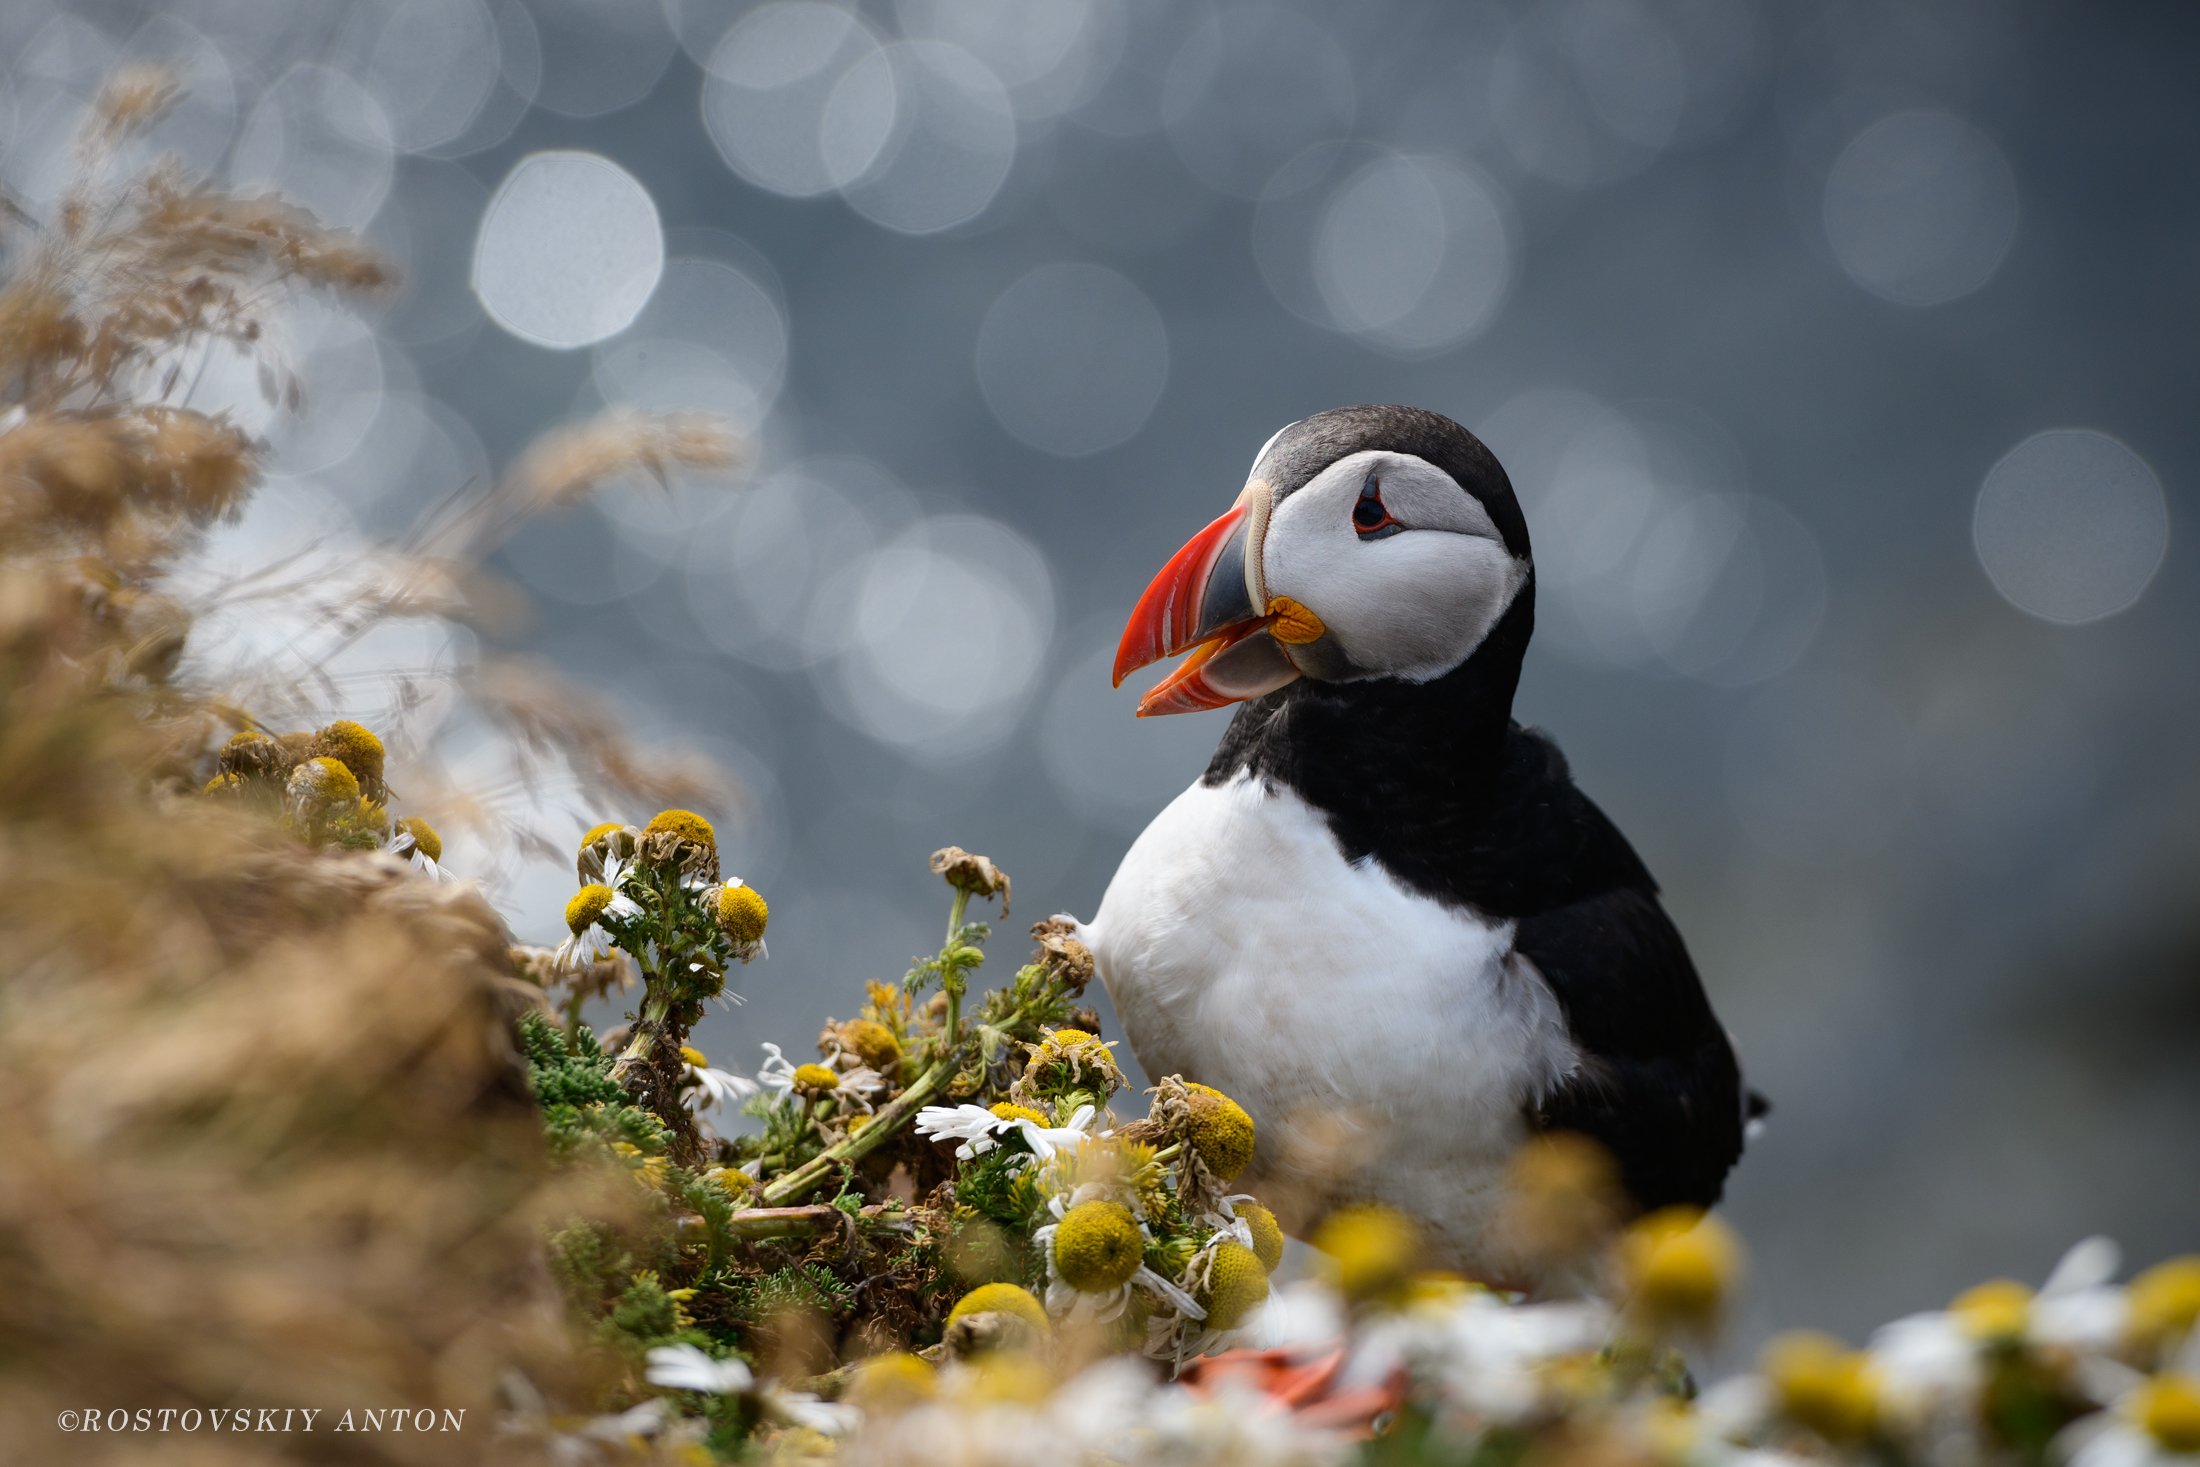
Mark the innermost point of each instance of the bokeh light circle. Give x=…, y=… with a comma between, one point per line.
x=320, y=140
x=1920, y=208
x=569, y=249
x=755, y=578
x=1413, y=254
x=952, y=142
x=712, y=339
x=2070, y=525
x=1072, y=359
x=432, y=64
x=769, y=84
x=1585, y=92
x=945, y=628
x=1041, y=50
x=1251, y=87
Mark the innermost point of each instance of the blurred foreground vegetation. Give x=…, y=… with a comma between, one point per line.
x=295, y=1121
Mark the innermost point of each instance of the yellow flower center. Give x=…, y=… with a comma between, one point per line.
x=893, y=1382
x=425, y=838
x=1681, y=1266
x=587, y=906
x=1009, y=1110
x=353, y=743
x=1097, y=1247
x=743, y=913
x=1824, y=1385
x=2165, y=1301
x=598, y=832
x=1371, y=1252
x=1993, y=1311
x=685, y=824
x=250, y=752
x=815, y=1078
x=694, y=1057
x=1267, y=1234
x=1071, y=1038
x=1221, y=1132
x=2169, y=1409
x=870, y=1041
x=222, y=784
x=733, y=1180
x=331, y=780
x=1236, y=1287
x=1008, y=1299
x=1010, y=1380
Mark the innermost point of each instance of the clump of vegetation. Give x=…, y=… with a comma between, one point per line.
x=294, y=1123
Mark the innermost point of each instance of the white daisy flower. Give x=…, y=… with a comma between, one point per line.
x=2154, y=1423
x=687, y=1368
x=1091, y=1305
x=713, y=1087
x=976, y=1127
x=785, y=1078
x=415, y=842
x=1932, y=1362
x=776, y=1074
x=587, y=917
x=1046, y=1143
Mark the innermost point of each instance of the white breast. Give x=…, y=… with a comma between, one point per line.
x=1243, y=951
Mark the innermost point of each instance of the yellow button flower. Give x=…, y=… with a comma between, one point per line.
x=1267, y=1234
x=685, y=824
x=1993, y=1312
x=2165, y=1302
x=356, y=746
x=1370, y=1252
x=1680, y=1267
x=1009, y=1299
x=1237, y=1284
x=2168, y=1409
x=1826, y=1386
x=1220, y=1130
x=1098, y=1247
x=743, y=913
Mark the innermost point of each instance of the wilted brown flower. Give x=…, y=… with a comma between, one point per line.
x=970, y=873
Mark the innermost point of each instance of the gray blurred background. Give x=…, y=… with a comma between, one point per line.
x=1841, y=354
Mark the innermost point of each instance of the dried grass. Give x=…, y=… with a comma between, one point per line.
x=268, y=1141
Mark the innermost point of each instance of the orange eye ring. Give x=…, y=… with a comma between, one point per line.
x=1371, y=520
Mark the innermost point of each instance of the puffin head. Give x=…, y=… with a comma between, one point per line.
x=1368, y=542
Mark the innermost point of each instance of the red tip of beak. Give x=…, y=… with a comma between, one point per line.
x=1163, y=622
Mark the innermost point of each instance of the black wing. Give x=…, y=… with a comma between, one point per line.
x=1658, y=1086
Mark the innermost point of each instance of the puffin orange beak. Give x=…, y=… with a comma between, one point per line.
x=1208, y=601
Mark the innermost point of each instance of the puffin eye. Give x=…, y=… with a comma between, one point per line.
x=1369, y=517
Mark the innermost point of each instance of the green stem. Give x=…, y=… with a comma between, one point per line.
x=759, y=1223
x=953, y=986
x=800, y=1181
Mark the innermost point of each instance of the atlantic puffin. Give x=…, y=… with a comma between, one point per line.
x=1385, y=906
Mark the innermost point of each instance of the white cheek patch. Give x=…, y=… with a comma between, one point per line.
x=1413, y=605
